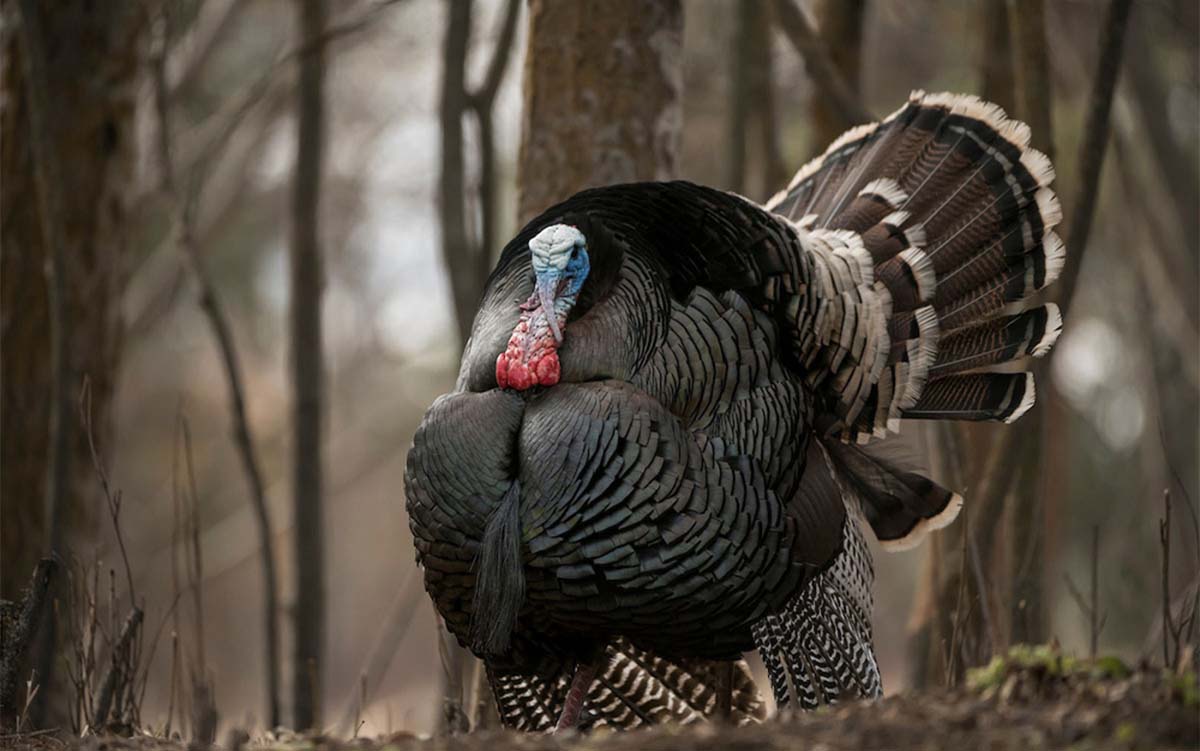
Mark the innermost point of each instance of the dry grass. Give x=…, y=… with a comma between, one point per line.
x=1033, y=699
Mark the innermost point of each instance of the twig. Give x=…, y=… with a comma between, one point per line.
x=17, y=641
x=195, y=564
x=1187, y=498
x=1095, y=140
x=959, y=616
x=116, y=674
x=145, y=679
x=818, y=64
x=1164, y=540
x=219, y=324
x=111, y=498
x=383, y=650
x=1095, y=619
x=174, y=681
x=981, y=585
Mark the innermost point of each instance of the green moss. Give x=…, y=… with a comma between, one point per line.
x=1126, y=732
x=1188, y=688
x=1047, y=661
x=1109, y=667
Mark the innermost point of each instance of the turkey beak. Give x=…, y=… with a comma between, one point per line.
x=547, y=288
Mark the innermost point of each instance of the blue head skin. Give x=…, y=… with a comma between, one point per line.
x=560, y=265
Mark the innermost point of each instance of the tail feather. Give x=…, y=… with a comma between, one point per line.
x=900, y=504
x=977, y=396
x=956, y=215
x=817, y=649
x=955, y=212
x=998, y=340
x=635, y=688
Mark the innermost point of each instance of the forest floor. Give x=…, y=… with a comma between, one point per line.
x=1029, y=700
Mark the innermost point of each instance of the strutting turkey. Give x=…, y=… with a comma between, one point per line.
x=662, y=448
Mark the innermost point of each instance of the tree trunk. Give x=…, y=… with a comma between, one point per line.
x=91, y=63
x=603, y=88
x=840, y=26
x=999, y=76
x=752, y=103
x=307, y=371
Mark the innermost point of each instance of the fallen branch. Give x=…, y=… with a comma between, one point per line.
x=116, y=676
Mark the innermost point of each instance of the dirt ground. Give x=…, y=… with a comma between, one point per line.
x=1026, y=701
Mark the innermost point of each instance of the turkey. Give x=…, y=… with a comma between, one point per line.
x=668, y=438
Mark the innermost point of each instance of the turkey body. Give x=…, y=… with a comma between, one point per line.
x=657, y=483
x=691, y=485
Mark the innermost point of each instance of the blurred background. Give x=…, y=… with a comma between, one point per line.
x=1118, y=426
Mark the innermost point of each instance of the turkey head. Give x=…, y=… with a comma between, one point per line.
x=560, y=265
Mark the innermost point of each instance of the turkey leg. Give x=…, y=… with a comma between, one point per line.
x=581, y=680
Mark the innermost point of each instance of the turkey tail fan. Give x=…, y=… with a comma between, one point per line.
x=954, y=212
x=635, y=688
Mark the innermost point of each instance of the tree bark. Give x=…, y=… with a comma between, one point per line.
x=307, y=282
x=603, y=87
x=69, y=221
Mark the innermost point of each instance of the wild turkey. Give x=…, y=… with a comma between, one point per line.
x=678, y=463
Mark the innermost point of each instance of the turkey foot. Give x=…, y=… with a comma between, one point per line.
x=576, y=696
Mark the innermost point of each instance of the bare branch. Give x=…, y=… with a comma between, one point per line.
x=218, y=322
x=116, y=677
x=1095, y=141
x=1164, y=541
x=112, y=499
x=383, y=650
x=481, y=102
x=818, y=64
x=486, y=93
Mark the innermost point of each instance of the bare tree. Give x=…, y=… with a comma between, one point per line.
x=307, y=282
x=182, y=219
x=603, y=86
x=469, y=260
x=1011, y=463
x=69, y=84
x=753, y=104
x=999, y=75
x=832, y=59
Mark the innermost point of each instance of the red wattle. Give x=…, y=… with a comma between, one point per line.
x=502, y=371
x=547, y=369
